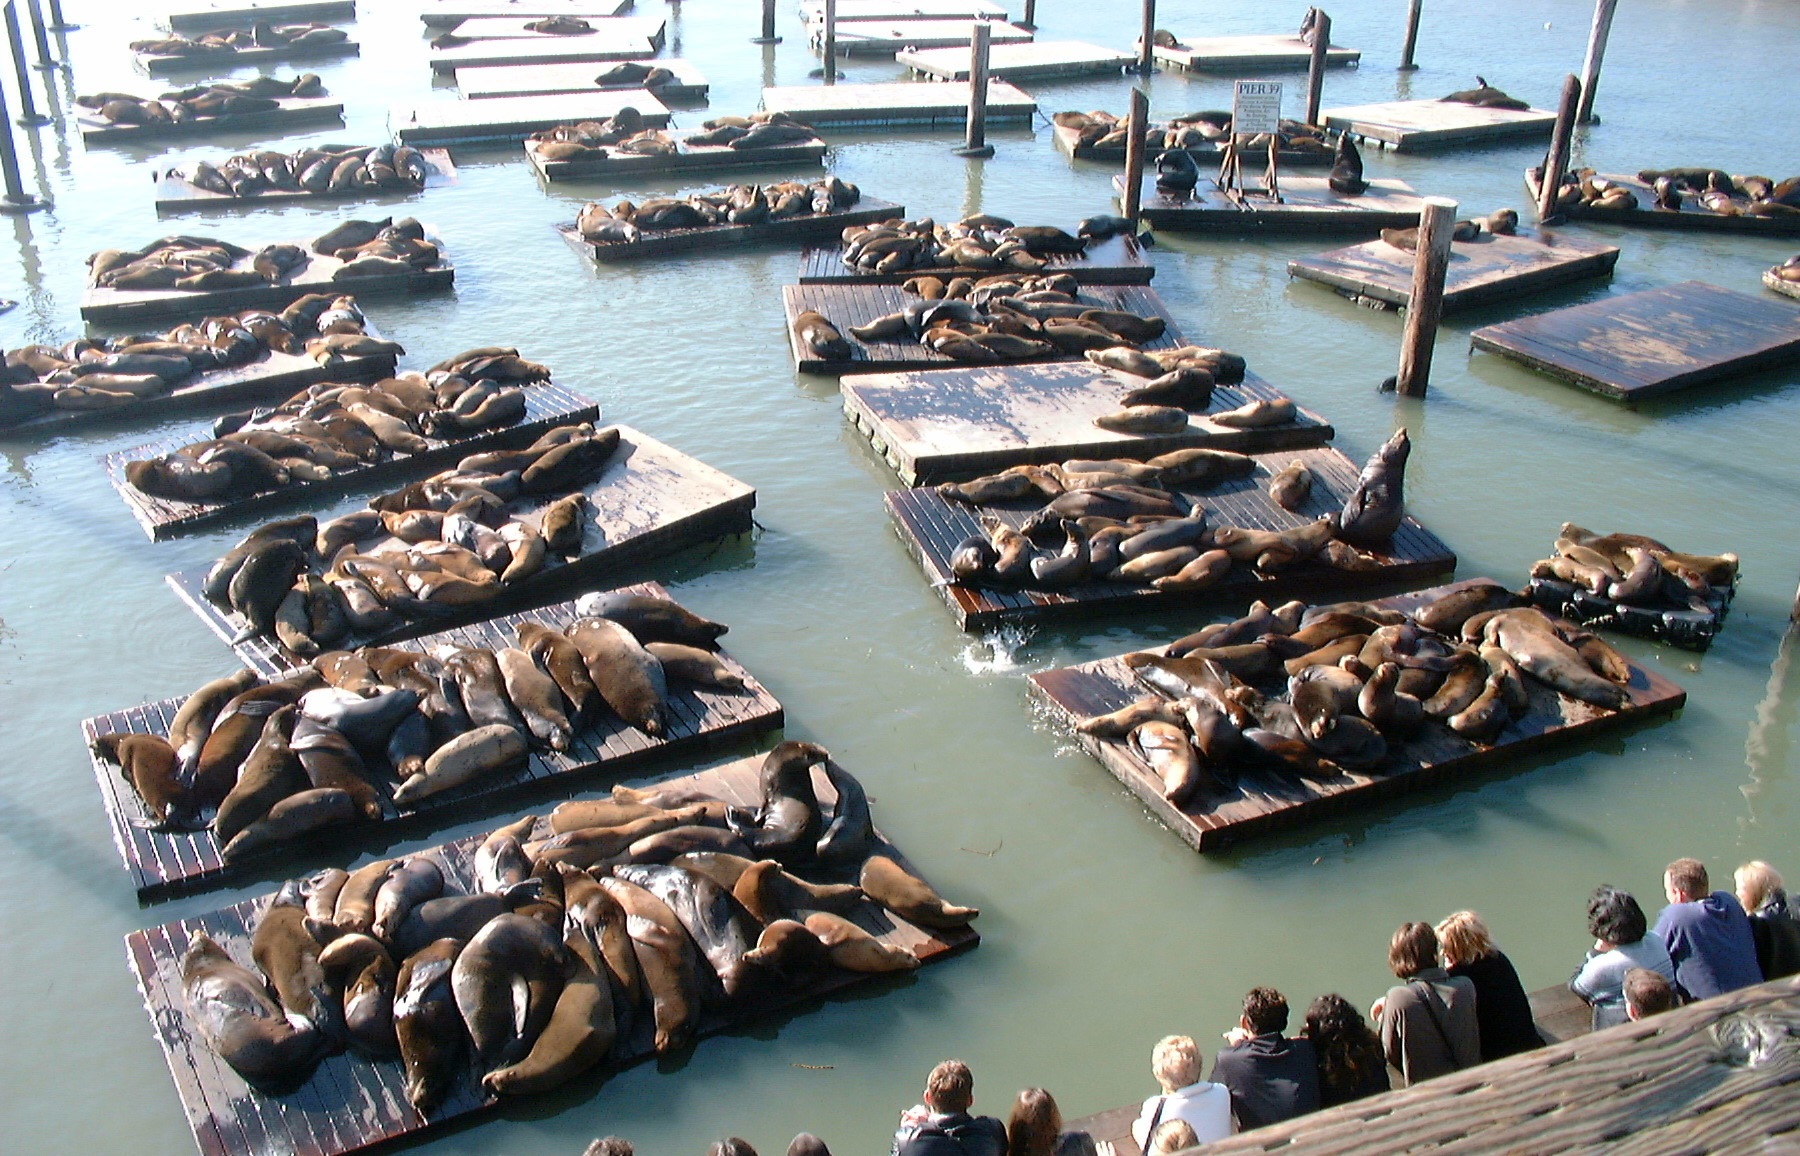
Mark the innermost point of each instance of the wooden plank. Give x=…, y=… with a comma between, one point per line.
x=597, y=48
x=1068, y=140
x=1115, y=261
x=351, y=1102
x=687, y=158
x=513, y=27
x=1489, y=268
x=176, y=194
x=450, y=13
x=546, y=407
x=949, y=424
x=885, y=38
x=1691, y=215
x=208, y=17
x=856, y=11
x=857, y=305
x=930, y=526
x=213, y=63
x=1263, y=799
x=925, y=105
x=649, y=501
x=790, y=230
x=689, y=84
x=1247, y=54
x=1018, y=61
x=1652, y=342
x=1415, y=125
x=513, y=118
x=1308, y=205
x=294, y=111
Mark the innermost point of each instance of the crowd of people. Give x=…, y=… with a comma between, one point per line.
x=1458, y=1002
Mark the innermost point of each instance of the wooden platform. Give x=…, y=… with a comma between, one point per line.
x=885, y=38
x=1652, y=342
x=1115, y=261
x=166, y=863
x=931, y=526
x=1265, y=800
x=848, y=305
x=951, y=424
x=870, y=105
x=1416, y=125
x=788, y=231
x=211, y=63
x=651, y=500
x=687, y=158
x=206, y=17
x=1691, y=216
x=450, y=13
x=1068, y=140
x=546, y=407
x=1046, y=58
x=513, y=118
x=1785, y=288
x=856, y=11
x=1247, y=54
x=294, y=112
x=351, y=1103
x=513, y=27
x=1489, y=268
x=178, y=195
x=595, y=48
x=557, y=79
x=1308, y=206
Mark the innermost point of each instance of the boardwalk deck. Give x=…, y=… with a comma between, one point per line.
x=450, y=13
x=1489, y=268
x=688, y=158
x=294, y=112
x=213, y=63
x=1264, y=799
x=207, y=17
x=885, y=38
x=1778, y=284
x=788, y=231
x=513, y=27
x=872, y=105
x=1690, y=216
x=595, y=48
x=1652, y=342
x=950, y=424
x=546, y=407
x=1248, y=54
x=931, y=526
x=1417, y=125
x=1308, y=206
x=651, y=500
x=176, y=194
x=558, y=79
x=1114, y=261
x=1042, y=60
x=848, y=305
x=855, y=11
x=165, y=863
x=1069, y=141
x=513, y=118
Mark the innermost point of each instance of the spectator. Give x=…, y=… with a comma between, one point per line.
x=1172, y=1136
x=1772, y=923
x=731, y=1146
x=807, y=1144
x=1351, y=1065
x=1707, y=934
x=1501, y=1006
x=1428, y=1024
x=942, y=1126
x=1646, y=993
x=609, y=1146
x=1175, y=1062
x=1272, y=1078
x=1035, y=1129
x=1621, y=942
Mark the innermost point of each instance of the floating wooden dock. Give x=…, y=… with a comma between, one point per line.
x=1659, y=340
x=166, y=863
x=1266, y=799
x=651, y=500
x=294, y=111
x=1417, y=125
x=885, y=38
x=871, y=105
x=241, y=13
x=1046, y=58
x=211, y=63
x=1785, y=288
x=944, y=425
x=1246, y=54
x=594, y=48
x=856, y=11
x=546, y=407
x=175, y=194
x=1115, y=261
x=1308, y=205
x=513, y=118
x=687, y=158
x=660, y=242
x=848, y=305
x=513, y=27
x=1489, y=268
x=557, y=79
x=1690, y=216
x=450, y=13
x=1069, y=141
x=931, y=525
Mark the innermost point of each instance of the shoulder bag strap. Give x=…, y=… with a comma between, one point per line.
x=1430, y=998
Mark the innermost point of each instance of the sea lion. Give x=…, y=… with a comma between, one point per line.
x=910, y=897
x=1198, y=466
x=1165, y=749
x=1119, y=723
x=627, y=676
x=1071, y=565
x=535, y=696
x=369, y=1006
x=1447, y=614
x=427, y=1023
x=787, y=948
x=230, y=1007
x=192, y=723
x=652, y=619
x=591, y=912
x=506, y=981
x=287, y=953
x=695, y=665
x=587, y=847
x=1530, y=639
x=415, y=881
x=148, y=763
x=720, y=926
x=1187, y=387
x=270, y=772
x=665, y=960
x=850, y=835
x=299, y=814
x=1461, y=686
x=1381, y=702
x=1200, y=573
x=487, y=750
x=1347, y=169
x=366, y=721
x=1176, y=171
x=1291, y=485
x=1506, y=676
x=578, y=1035
x=768, y=892
x=500, y=861
x=854, y=949
x=322, y=889
x=1319, y=695
x=785, y=825
x=563, y=662
x=331, y=762
x=1376, y=506
x=820, y=338
x=355, y=909
x=1144, y=419
x=578, y=814
x=1258, y=414
x=1482, y=720
x=666, y=845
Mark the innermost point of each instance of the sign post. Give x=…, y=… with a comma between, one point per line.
x=1255, y=110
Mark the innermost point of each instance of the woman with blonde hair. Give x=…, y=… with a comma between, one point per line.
x=1772, y=921
x=1501, y=1006
x=1035, y=1128
x=1176, y=1064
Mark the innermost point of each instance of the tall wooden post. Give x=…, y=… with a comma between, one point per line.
x=830, y=41
x=1315, y=71
x=46, y=59
x=1590, y=67
x=768, y=25
x=14, y=199
x=976, y=143
x=1146, y=65
x=57, y=23
x=1437, y=220
x=1557, y=162
x=1030, y=20
x=1136, y=124
x=28, y=113
x=1412, y=36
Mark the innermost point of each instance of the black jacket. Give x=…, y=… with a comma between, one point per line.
x=1272, y=1078
x=957, y=1134
x=1777, y=935
x=1501, y=1007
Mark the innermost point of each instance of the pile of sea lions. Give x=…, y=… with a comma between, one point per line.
x=1632, y=570
x=1485, y=95
x=202, y=264
x=732, y=205
x=1127, y=521
x=982, y=243
x=632, y=74
x=332, y=427
x=1202, y=130
x=212, y=99
x=225, y=42
x=1672, y=190
x=1179, y=381
x=548, y=26
x=1501, y=223
x=625, y=132
x=311, y=170
x=626, y=918
x=1322, y=690
x=1788, y=270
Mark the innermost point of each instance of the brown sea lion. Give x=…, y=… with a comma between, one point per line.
x=854, y=949
x=786, y=824
x=229, y=1005
x=628, y=677
x=289, y=955
x=579, y=1034
x=563, y=662
x=428, y=1025
x=665, y=956
x=506, y=981
x=910, y=897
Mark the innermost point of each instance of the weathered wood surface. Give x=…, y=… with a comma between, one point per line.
x=513, y=118
x=659, y=242
x=1785, y=288
x=1652, y=342
x=1308, y=205
x=854, y=11
x=883, y=38
x=241, y=13
x=513, y=27
x=1690, y=216
x=1411, y=125
x=687, y=158
x=546, y=407
x=1007, y=61
x=1489, y=268
x=595, y=48
x=931, y=526
x=163, y=864
x=213, y=63
x=1069, y=141
x=1247, y=54
x=176, y=194
x=848, y=305
x=294, y=111
x=924, y=105
x=350, y=1102
x=1264, y=799
x=1115, y=261
x=949, y=424
x=557, y=79
x=650, y=500
x=450, y=13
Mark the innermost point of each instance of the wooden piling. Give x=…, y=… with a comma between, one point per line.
x=1030, y=20
x=768, y=25
x=976, y=143
x=1135, y=125
x=1315, y=71
x=830, y=41
x=1146, y=43
x=1590, y=66
x=29, y=116
x=1412, y=36
x=1436, y=221
x=1557, y=161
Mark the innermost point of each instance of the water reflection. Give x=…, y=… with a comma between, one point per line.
x=1770, y=737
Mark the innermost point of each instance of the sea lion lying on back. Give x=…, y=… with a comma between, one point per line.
x=786, y=825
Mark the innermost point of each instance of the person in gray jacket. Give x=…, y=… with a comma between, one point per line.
x=1621, y=942
x=1427, y=1023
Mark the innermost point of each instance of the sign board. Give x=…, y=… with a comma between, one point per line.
x=1256, y=106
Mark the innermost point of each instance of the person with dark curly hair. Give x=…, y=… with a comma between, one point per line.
x=1621, y=942
x=1351, y=1065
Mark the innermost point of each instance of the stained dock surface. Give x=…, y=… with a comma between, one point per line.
x=1417, y=125
x=557, y=79
x=513, y=118
x=1234, y=54
x=1018, y=61
x=1308, y=205
x=885, y=38
x=602, y=46
x=1489, y=268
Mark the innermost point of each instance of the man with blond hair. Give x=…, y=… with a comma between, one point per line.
x=942, y=1126
x=1707, y=934
x=1175, y=1062
x=1772, y=922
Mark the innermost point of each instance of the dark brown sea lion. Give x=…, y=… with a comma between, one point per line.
x=854, y=949
x=652, y=619
x=563, y=662
x=511, y=955
x=720, y=926
x=580, y=1031
x=1375, y=507
x=194, y=721
x=850, y=835
x=665, y=955
x=786, y=824
x=270, y=772
x=417, y=880
x=230, y=1007
x=289, y=955
x=428, y=1025
x=1347, y=169
x=298, y=815
x=628, y=677
x=148, y=763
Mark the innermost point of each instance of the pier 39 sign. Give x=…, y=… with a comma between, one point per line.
x=1255, y=106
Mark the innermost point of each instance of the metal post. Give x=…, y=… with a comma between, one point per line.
x=1557, y=162
x=46, y=61
x=1412, y=36
x=28, y=113
x=1590, y=67
x=1437, y=220
x=830, y=41
x=1146, y=65
x=16, y=199
x=1030, y=20
x=768, y=25
x=1135, y=124
x=976, y=145
x=1315, y=71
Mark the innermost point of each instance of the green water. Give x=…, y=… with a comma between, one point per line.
x=1102, y=931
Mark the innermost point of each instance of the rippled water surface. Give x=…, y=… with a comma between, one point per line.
x=1102, y=931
